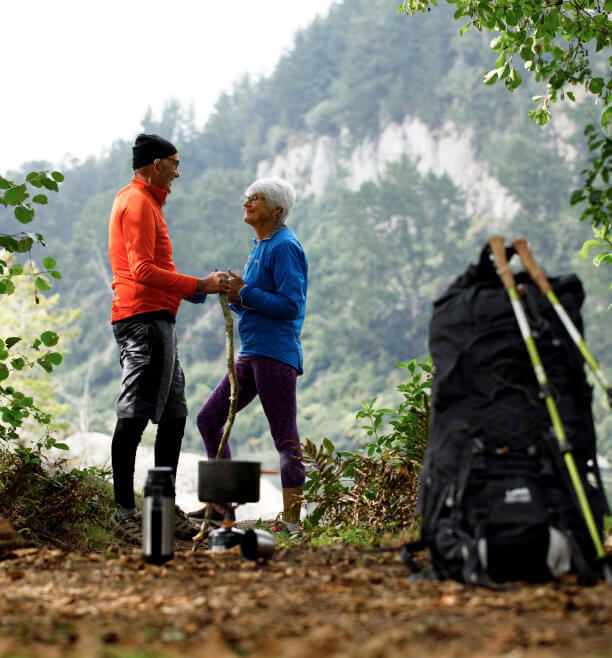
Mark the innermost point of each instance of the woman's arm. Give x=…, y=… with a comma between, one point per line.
x=290, y=272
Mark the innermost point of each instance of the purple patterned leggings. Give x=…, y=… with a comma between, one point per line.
x=275, y=383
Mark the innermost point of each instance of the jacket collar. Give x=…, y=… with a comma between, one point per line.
x=277, y=229
x=156, y=192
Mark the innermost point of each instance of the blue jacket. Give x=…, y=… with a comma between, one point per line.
x=272, y=305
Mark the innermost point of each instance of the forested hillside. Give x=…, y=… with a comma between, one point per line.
x=381, y=245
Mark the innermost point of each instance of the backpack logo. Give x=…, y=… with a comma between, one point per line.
x=518, y=495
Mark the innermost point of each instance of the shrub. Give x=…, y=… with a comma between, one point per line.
x=375, y=487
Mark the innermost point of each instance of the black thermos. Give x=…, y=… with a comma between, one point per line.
x=158, y=516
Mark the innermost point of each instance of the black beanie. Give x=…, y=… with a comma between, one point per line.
x=150, y=147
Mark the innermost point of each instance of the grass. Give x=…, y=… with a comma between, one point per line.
x=50, y=505
x=71, y=510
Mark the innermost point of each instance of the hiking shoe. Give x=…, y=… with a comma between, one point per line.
x=128, y=529
x=183, y=527
x=218, y=514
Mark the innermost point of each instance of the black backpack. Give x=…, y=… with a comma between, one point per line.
x=495, y=498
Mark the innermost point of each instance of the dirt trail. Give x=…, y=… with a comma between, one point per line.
x=332, y=601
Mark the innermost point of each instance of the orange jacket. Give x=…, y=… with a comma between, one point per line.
x=145, y=277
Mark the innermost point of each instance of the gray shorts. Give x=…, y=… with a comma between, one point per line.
x=153, y=384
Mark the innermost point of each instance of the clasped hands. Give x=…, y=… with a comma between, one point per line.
x=220, y=282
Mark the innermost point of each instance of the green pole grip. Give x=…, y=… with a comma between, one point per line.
x=584, y=504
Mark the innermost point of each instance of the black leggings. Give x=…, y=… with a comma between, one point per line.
x=126, y=438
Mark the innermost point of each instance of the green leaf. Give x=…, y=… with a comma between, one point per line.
x=50, y=184
x=606, y=117
x=596, y=85
x=23, y=214
x=589, y=244
x=490, y=77
x=504, y=71
x=496, y=43
x=18, y=363
x=608, y=6
x=57, y=176
x=487, y=16
x=4, y=371
x=16, y=269
x=595, y=197
x=42, y=283
x=539, y=115
x=40, y=198
x=8, y=242
x=512, y=17
x=514, y=79
x=576, y=197
x=49, y=338
x=602, y=258
x=16, y=195
x=55, y=274
x=328, y=445
x=43, y=363
x=557, y=80
x=55, y=358
x=49, y=263
x=5, y=184
x=24, y=245
x=12, y=340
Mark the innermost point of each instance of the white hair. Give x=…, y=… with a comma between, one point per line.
x=277, y=192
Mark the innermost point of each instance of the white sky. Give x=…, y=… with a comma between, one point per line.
x=77, y=75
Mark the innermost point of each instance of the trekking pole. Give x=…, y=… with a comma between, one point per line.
x=539, y=278
x=496, y=243
x=233, y=380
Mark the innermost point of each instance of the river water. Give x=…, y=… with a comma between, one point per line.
x=93, y=449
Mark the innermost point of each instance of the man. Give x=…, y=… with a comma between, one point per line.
x=148, y=290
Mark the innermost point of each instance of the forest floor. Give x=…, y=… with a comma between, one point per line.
x=332, y=600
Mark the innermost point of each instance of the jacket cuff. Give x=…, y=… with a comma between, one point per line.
x=242, y=294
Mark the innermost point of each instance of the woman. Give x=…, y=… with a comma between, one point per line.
x=270, y=300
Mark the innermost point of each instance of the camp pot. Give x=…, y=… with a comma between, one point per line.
x=228, y=481
x=256, y=544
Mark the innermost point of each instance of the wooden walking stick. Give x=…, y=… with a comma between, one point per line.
x=231, y=371
x=504, y=272
x=539, y=278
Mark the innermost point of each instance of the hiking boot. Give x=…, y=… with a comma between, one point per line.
x=128, y=529
x=183, y=527
x=218, y=514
